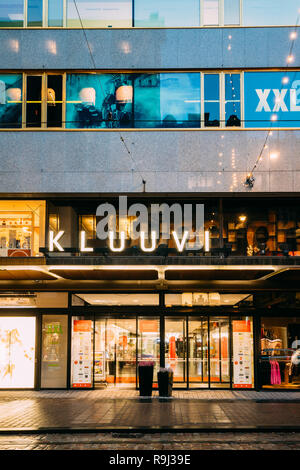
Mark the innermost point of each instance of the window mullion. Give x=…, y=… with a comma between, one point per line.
x=44, y=98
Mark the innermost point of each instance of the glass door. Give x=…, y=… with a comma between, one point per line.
x=219, y=352
x=115, y=351
x=198, y=352
x=176, y=349
x=149, y=343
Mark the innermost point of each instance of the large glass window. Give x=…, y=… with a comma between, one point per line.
x=22, y=228
x=11, y=13
x=17, y=352
x=34, y=12
x=231, y=12
x=219, y=348
x=232, y=99
x=211, y=100
x=99, y=13
x=176, y=349
x=149, y=342
x=99, y=101
x=270, y=12
x=210, y=12
x=279, y=365
x=166, y=13
x=198, y=351
x=44, y=100
x=167, y=100
x=54, y=351
x=55, y=12
x=11, y=100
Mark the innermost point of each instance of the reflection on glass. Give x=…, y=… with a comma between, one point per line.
x=34, y=101
x=231, y=12
x=115, y=351
x=149, y=342
x=35, y=13
x=167, y=100
x=175, y=348
x=82, y=353
x=270, y=12
x=99, y=101
x=11, y=13
x=279, y=365
x=54, y=351
x=242, y=349
x=211, y=100
x=99, y=13
x=11, y=101
x=210, y=12
x=55, y=13
x=54, y=101
x=198, y=352
x=17, y=352
x=166, y=13
x=232, y=100
x=219, y=338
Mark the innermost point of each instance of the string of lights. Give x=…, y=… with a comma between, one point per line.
x=128, y=151
x=250, y=179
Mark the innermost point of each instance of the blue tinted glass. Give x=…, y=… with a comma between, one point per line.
x=231, y=11
x=270, y=12
x=232, y=114
x=211, y=114
x=272, y=99
x=211, y=87
x=166, y=13
x=11, y=13
x=232, y=87
x=99, y=13
x=99, y=101
x=167, y=100
x=35, y=13
x=55, y=13
x=10, y=101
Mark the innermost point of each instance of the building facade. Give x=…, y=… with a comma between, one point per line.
x=149, y=206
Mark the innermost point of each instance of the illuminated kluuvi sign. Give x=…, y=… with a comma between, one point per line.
x=186, y=229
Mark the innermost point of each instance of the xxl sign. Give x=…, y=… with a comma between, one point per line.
x=272, y=98
x=150, y=225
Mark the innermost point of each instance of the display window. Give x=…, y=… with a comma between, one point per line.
x=54, y=351
x=279, y=364
x=242, y=354
x=22, y=228
x=17, y=352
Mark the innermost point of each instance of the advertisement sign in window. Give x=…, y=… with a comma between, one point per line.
x=17, y=352
x=272, y=99
x=242, y=335
x=82, y=354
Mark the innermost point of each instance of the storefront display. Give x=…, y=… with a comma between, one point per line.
x=21, y=228
x=17, y=352
x=279, y=365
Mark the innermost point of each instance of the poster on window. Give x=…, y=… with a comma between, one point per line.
x=99, y=365
x=17, y=352
x=272, y=99
x=242, y=354
x=82, y=354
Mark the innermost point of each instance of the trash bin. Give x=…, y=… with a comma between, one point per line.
x=165, y=381
x=146, y=378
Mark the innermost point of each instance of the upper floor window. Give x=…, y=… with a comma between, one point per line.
x=250, y=99
x=146, y=13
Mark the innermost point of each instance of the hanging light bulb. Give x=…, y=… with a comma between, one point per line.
x=14, y=94
x=88, y=95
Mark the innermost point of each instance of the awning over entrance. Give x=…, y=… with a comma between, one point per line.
x=203, y=274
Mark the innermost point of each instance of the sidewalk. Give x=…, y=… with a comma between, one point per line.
x=110, y=410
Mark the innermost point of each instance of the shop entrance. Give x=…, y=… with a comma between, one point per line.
x=198, y=351
x=120, y=344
